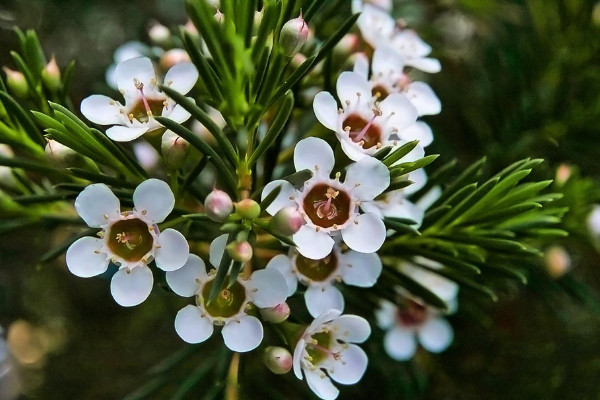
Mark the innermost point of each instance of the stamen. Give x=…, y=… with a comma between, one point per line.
x=365, y=129
x=140, y=86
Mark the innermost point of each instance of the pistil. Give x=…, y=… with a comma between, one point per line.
x=140, y=86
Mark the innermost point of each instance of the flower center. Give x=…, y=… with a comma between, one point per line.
x=145, y=107
x=317, y=347
x=228, y=302
x=130, y=239
x=363, y=132
x=326, y=206
x=412, y=313
x=317, y=270
x=380, y=92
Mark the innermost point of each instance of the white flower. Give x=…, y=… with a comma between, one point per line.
x=137, y=83
x=130, y=239
x=357, y=5
x=414, y=51
x=412, y=320
x=326, y=351
x=364, y=124
x=376, y=25
x=387, y=77
x=594, y=220
x=241, y=332
x=124, y=52
x=351, y=267
x=329, y=206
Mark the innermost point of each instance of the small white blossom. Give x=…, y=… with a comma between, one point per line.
x=137, y=83
x=241, y=332
x=594, y=220
x=130, y=239
x=326, y=351
x=357, y=5
x=331, y=207
x=351, y=267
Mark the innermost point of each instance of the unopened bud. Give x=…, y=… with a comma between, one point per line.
x=348, y=45
x=51, y=75
x=276, y=314
x=191, y=28
x=278, y=359
x=558, y=261
x=563, y=173
x=7, y=179
x=219, y=16
x=293, y=36
x=287, y=221
x=247, y=208
x=59, y=154
x=159, y=34
x=218, y=205
x=174, y=149
x=16, y=82
x=173, y=57
x=240, y=251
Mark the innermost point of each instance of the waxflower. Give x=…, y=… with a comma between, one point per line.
x=351, y=267
x=326, y=351
x=411, y=320
x=241, y=332
x=129, y=239
x=329, y=206
x=364, y=124
x=137, y=83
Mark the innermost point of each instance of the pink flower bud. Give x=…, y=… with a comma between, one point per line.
x=278, y=360
x=159, y=34
x=51, y=75
x=293, y=36
x=247, y=208
x=16, y=82
x=276, y=314
x=558, y=261
x=174, y=149
x=59, y=154
x=287, y=221
x=240, y=251
x=563, y=173
x=349, y=44
x=173, y=57
x=218, y=205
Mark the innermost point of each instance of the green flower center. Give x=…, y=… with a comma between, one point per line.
x=362, y=131
x=140, y=112
x=326, y=206
x=317, y=270
x=228, y=302
x=130, y=239
x=318, y=346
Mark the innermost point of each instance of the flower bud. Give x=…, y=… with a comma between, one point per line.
x=276, y=314
x=174, y=149
x=190, y=28
x=7, y=179
x=218, y=205
x=293, y=36
x=247, y=208
x=16, y=82
x=558, y=261
x=563, y=173
x=219, y=16
x=59, y=154
x=278, y=360
x=159, y=34
x=51, y=75
x=349, y=44
x=240, y=251
x=173, y=57
x=287, y=221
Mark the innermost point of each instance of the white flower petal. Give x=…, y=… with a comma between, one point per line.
x=387, y=61
x=182, y=77
x=361, y=65
x=400, y=344
x=183, y=281
x=131, y=287
x=429, y=65
x=443, y=287
x=178, y=114
x=593, y=220
x=243, y=335
x=128, y=71
x=319, y=299
x=312, y=244
x=351, y=367
x=353, y=87
x=129, y=50
x=283, y=198
x=173, y=251
x=283, y=264
x=83, y=260
x=101, y=110
x=267, y=287
x=321, y=384
x=351, y=149
x=352, y=328
x=405, y=209
x=436, y=335
x=154, y=199
x=418, y=131
x=399, y=111
x=419, y=179
x=375, y=24
x=386, y=314
x=191, y=326
x=297, y=358
x=97, y=204
x=314, y=154
x=372, y=207
x=410, y=44
x=367, y=235
x=367, y=178
x=216, y=250
x=429, y=198
x=326, y=110
x=120, y=133
x=360, y=269
x=423, y=98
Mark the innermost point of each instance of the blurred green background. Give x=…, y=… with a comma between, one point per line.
x=520, y=78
